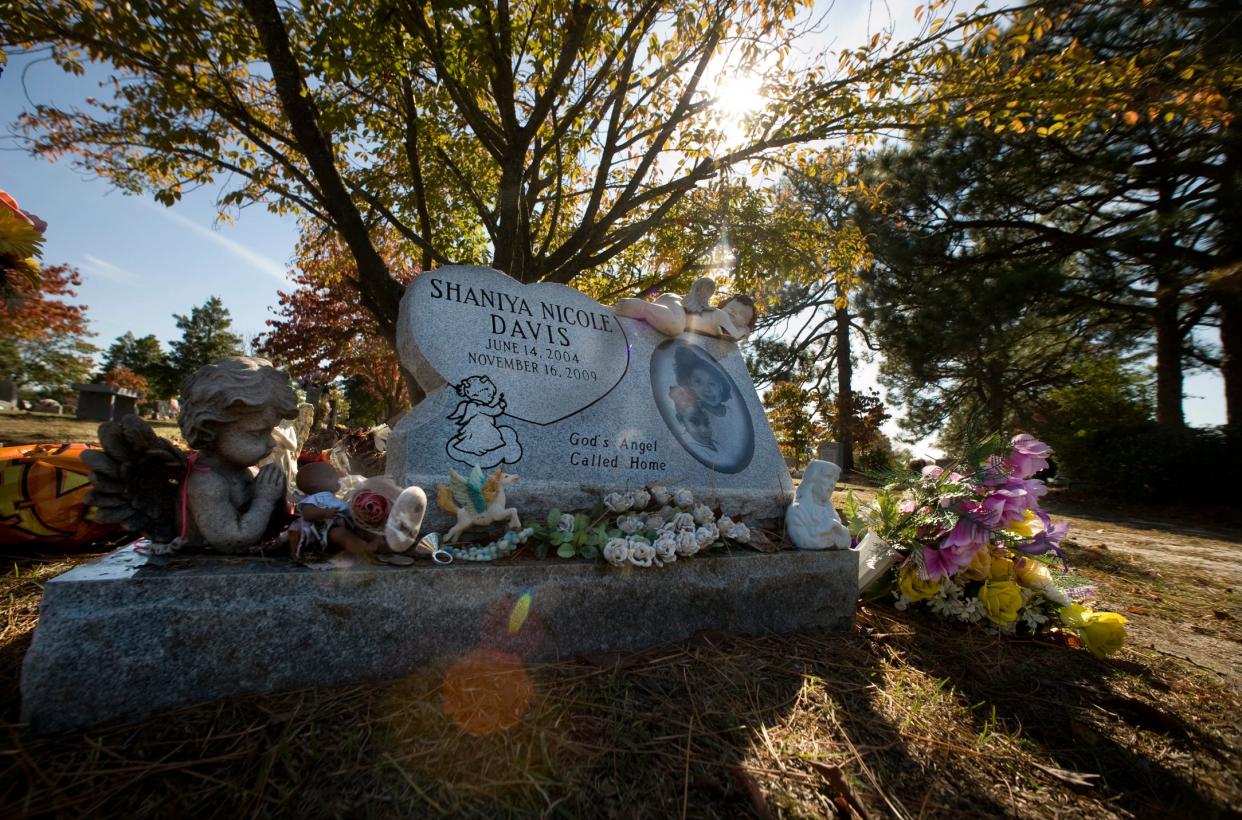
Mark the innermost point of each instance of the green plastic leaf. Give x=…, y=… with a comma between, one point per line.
x=566, y=551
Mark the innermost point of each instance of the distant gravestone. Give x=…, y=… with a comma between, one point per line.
x=829, y=451
x=8, y=391
x=543, y=381
x=104, y=402
x=46, y=406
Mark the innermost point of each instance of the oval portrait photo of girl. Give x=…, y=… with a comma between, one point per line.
x=702, y=406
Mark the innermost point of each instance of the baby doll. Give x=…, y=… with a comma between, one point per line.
x=324, y=521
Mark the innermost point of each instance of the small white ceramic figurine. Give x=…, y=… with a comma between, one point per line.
x=811, y=522
x=673, y=315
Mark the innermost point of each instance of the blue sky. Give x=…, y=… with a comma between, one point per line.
x=142, y=262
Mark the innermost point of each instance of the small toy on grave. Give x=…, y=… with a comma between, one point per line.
x=811, y=523
x=329, y=523
x=405, y=520
x=672, y=315
x=208, y=498
x=476, y=501
x=502, y=547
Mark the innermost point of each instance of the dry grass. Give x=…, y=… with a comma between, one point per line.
x=903, y=716
x=46, y=428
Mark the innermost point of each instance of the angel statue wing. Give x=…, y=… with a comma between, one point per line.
x=698, y=300
x=137, y=478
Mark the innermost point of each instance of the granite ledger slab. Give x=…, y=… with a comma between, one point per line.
x=543, y=381
x=130, y=635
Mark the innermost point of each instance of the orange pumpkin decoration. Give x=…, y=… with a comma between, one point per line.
x=42, y=489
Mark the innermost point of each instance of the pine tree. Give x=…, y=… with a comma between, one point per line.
x=142, y=356
x=206, y=335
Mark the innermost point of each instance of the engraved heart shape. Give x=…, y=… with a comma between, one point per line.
x=539, y=352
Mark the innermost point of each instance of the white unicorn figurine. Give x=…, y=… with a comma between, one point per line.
x=476, y=502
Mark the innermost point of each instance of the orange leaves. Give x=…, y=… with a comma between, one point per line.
x=42, y=313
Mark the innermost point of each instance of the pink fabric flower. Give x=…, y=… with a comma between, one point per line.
x=370, y=509
x=1029, y=455
x=946, y=561
x=1031, y=489
x=1005, y=506
x=966, y=533
x=1049, y=540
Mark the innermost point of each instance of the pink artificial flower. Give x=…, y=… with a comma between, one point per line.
x=946, y=561
x=982, y=512
x=932, y=471
x=1029, y=455
x=370, y=509
x=995, y=473
x=1005, y=506
x=907, y=506
x=966, y=533
x=1048, y=540
x=1029, y=489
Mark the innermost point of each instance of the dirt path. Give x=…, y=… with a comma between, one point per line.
x=1179, y=581
x=1172, y=544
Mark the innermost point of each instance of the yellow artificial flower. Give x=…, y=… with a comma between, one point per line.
x=979, y=567
x=1103, y=633
x=1028, y=527
x=1072, y=615
x=1002, y=600
x=1001, y=568
x=1032, y=574
x=916, y=588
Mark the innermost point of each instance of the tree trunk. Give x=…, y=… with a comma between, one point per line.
x=845, y=392
x=1168, y=355
x=1228, y=287
x=1231, y=355
x=379, y=291
x=512, y=246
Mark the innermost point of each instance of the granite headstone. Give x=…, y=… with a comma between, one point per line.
x=543, y=381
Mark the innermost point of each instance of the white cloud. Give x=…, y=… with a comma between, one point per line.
x=257, y=260
x=95, y=266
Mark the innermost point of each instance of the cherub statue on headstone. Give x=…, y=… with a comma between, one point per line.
x=672, y=315
x=811, y=522
x=229, y=409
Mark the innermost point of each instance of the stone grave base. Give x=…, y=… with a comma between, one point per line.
x=127, y=636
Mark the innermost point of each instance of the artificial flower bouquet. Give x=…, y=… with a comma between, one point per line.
x=972, y=545
x=652, y=526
